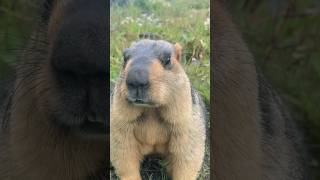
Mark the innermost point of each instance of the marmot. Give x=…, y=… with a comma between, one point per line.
x=253, y=136
x=154, y=109
x=55, y=121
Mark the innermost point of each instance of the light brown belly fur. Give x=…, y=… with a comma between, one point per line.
x=152, y=134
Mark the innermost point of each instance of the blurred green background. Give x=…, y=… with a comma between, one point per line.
x=16, y=20
x=284, y=37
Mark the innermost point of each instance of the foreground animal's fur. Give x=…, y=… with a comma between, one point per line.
x=172, y=124
x=253, y=137
x=51, y=116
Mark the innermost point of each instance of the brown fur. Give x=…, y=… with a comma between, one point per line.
x=34, y=148
x=253, y=137
x=174, y=128
x=237, y=150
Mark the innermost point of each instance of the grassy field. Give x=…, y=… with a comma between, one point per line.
x=182, y=21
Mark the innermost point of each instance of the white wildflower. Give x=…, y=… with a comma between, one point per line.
x=207, y=22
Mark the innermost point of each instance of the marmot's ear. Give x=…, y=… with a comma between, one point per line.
x=178, y=51
x=126, y=54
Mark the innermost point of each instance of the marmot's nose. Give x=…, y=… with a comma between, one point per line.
x=137, y=83
x=82, y=50
x=138, y=78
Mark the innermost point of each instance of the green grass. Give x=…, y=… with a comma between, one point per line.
x=182, y=21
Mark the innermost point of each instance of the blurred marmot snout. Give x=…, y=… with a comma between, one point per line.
x=77, y=69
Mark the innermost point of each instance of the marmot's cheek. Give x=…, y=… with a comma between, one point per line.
x=154, y=93
x=122, y=91
x=159, y=94
x=47, y=93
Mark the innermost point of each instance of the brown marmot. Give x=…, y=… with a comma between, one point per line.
x=253, y=136
x=55, y=121
x=154, y=110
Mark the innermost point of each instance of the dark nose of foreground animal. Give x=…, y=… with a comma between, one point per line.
x=81, y=50
x=79, y=66
x=138, y=83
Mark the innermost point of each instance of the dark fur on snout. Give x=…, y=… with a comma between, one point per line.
x=78, y=64
x=56, y=115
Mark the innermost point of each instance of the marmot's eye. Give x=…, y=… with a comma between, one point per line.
x=166, y=61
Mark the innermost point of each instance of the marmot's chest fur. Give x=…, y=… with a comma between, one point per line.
x=151, y=133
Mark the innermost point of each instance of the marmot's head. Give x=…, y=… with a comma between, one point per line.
x=67, y=66
x=152, y=75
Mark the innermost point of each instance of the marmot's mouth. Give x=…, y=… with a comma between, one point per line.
x=142, y=103
x=148, y=105
x=87, y=128
x=92, y=129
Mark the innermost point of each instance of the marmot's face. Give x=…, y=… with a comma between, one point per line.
x=152, y=73
x=76, y=69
